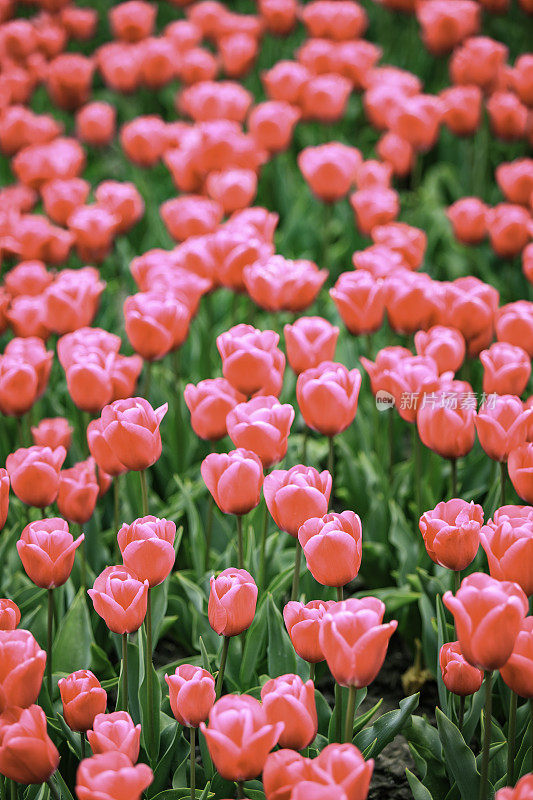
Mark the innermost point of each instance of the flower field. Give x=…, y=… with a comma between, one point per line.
x=266, y=494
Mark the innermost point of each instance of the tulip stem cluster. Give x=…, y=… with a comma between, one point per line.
x=223, y=659
x=487, y=724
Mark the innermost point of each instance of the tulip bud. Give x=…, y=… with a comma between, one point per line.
x=303, y=625
x=120, y=599
x=288, y=700
x=451, y=533
x=147, y=547
x=27, y=754
x=234, y=480
x=83, y=698
x=458, y=675
x=327, y=396
x=131, y=429
x=232, y=602
x=192, y=694
x=112, y=776
x=332, y=547
x=115, y=732
x=293, y=496
x=24, y=663
x=9, y=615
x=309, y=342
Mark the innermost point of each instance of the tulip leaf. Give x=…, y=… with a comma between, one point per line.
x=206, y=664
x=178, y=794
x=206, y=758
x=177, y=750
x=63, y=788
x=72, y=644
x=280, y=652
x=459, y=758
x=151, y=746
x=363, y=719
x=441, y=640
x=386, y=728
x=417, y=788
x=254, y=645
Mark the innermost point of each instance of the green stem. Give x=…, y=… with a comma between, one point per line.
x=148, y=669
x=390, y=429
x=240, y=548
x=453, y=477
x=20, y=430
x=13, y=790
x=54, y=791
x=193, y=762
x=116, y=503
x=461, y=715
x=418, y=472
x=82, y=744
x=487, y=724
x=124, y=671
x=457, y=580
x=331, y=460
x=223, y=659
x=350, y=712
x=144, y=492
x=262, y=558
x=511, y=736
x=240, y=790
x=2, y=788
x=340, y=594
x=312, y=670
x=503, y=478
x=147, y=379
x=83, y=563
x=338, y=713
x=296, y=576
x=209, y=530
x=49, y=649
x=305, y=439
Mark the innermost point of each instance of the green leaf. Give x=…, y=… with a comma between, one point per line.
x=386, y=728
x=178, y=794
x=418, y=789
x=176, y=751
x=459, y=757
x=441, y=639
x=63, y=788
x=281, y=657
x=363, y=719
x=254, y=646
x=72, y=645
x=206, y=664
x=152, y=747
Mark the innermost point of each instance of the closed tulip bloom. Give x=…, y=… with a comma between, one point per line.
x=278, y=283
x=34, y=474
x=78, y=491
x=303, y=624
x=517, y=672
x=523, y=78
x=458, y=675
x=409, y=300
x=451, y=533
x=132, y=21
x=248, y=356
x=261, y=425
x=143, y=139
x=488, y=616
x=327, y=396
x=239, y=736
x=286, y=772
x=508, y=116
x=346, y=768
x=234, y=480
x=27, y=754
x=285, y=80
x=47, y=550
x=122, y=199
x=372, y=173
x=408, y=241
x=411, y=375
x=232, y=602
x=131, y=429
x=507, y=540
x=309, y=341
x=360, y=300
x=470, y=305
x=445, y=26
x=191, y=215
x=9, y=615
x=62, y=197
x=521, y=791
x=52, y=432
x=355, y=640
x=295, y=495
x=515, y=180
x=446, y=346
x=4, y=496
x=147, y=547
x=71, y=301
x=324, y=97
x=520, y=466
x=397, y=152
x=479, y=60
x=120, y=599
x=379, y=371
x=32, y=350
x=279, y=16
x=289, y=700
x=506, y=368
x=450, y=432
x=272, y=124
x=83, y=698
x=115, y=732
x=68, y=80
x=514, y=324
x=233, y=188
x=191, y=693
x=508, y=227
x=95, y=124
x=111, y=776
x=210, y=402
x=22, y=669
x=25, y=316
x=376, y=206
x=502, y=425
x=461, y=106
x=527, y=262
x=330, y=169
x=94, y=229
x=27, y=278
x=100, y=450
x=155, y=324
x=332, y=547
x=18, y=386
x=336, y=20
x=468, y=217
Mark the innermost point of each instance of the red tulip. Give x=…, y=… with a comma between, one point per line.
x=462, y=107
x=155, y=324
x=249, y=356
x=355, y=641
x=451, y=533
x=232, y=602
x=325, y=97
x=520, y=792
x=517, y=672
x=234, y=480
x=289, y=700
x=9, y=615
x=309, y=341
x=446, y=346
x=52, y=432
x=398, y=152
x=34, y=474
x=123, y=201
x=514, y=324
x=272, y=124
x=409, y=300
x=100, y=450
x=210, y=402
x=470, y=305
x=115, y=732
x=191, y=693
x=506, y=369
x=27, y=278
x=515, y=180
x=330, y=169
x=478, y=61
x=132, y=21
x=47, y=550
x=27, y=754
x=372, y=207
x=458, y=675
x=112, y=776
x=147, y=548
x=18, y=386
x=120, y=599
x=502, y=426
x=32, y=350
x=404, y=239
x=261, y=425
x=239, y=736
x=445, y=26
x=83, y=698
x=295, y=495
x=143, y=139
x=23, y=665
x=508, y=227
x=303, y=624
x=279, y=16
x=327, y=396
x=468, y=217
x=508, y=116
x=520, y=466
x=285, y=81
x=68, y=80
x=488, y=615
x=4, y=496
x=96, y=123
x=71, y=301
x=446, y=427
x=277, y=283
x=234, y=188
x=62, y=197
x=507, y=540
x=332, y=547
x=522, y=80
x=360, y=301
x=131, y=429
x=78, y=491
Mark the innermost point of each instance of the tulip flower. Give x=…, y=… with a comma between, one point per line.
x=303, y=625
x=520, y=466
x=289, y=700
x=9, y=615
x=507, y=540
x=23, y=664
x=468, y=217
x=334, y=20
x=360, y=300
x=458, y=675
x=27, y=754
x=272, y=124
x=122, y=199
x=280, y=284
x=155, y=324
x=520, y=792
x=327, y=396
x=47, y=549
x=4, y=496
x=192, y=694
x=131, y=430
x=330, y=169
x=248, y=357
x=209, y=403
x=120, y=599
x=345, y=766
x=332, y=547
x=231, y=609
x=506, y=369
x=52, y=432
x=78, y=491
x=100, y=450
x=110, y=775
x=324, y=97
x=83, y=698
x=147, y=548
x=95, y=124
x=261, y=425
x=451, y=533
x=115, y=732
x=309, y=341
x=461, y=109
x=375, y=206
x=446, y=346
x=239, y=736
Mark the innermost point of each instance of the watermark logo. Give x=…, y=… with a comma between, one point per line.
x=384, y=400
